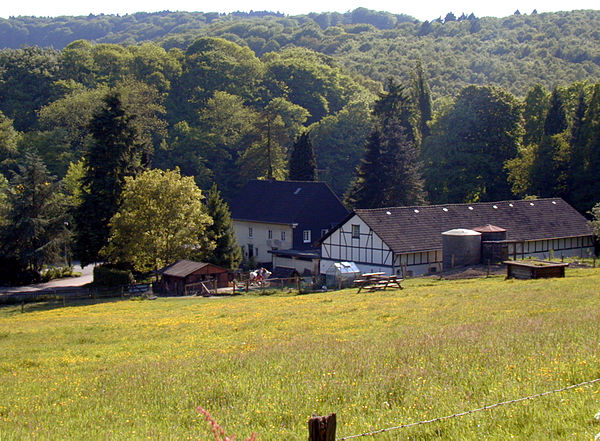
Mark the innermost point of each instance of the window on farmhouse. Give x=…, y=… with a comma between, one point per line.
x=249, y=231
x=306, y=236
x=270, y=234
x=283, y=235
x=355, y=231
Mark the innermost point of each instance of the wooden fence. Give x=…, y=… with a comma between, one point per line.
x=65, y=294
x=299, y=284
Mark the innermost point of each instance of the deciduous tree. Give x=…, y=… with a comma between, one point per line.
x=161, y=219
x=470, y=144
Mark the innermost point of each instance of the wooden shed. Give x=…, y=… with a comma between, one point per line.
x=184, y=273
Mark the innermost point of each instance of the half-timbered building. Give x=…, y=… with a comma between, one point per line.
x=408, y=240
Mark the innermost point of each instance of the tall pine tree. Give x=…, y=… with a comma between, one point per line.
x=113, y=155
x=556, y=118
x=227, y=253
x=303, y=162
x=367, y=189
x=404, y=183
x=390, y=173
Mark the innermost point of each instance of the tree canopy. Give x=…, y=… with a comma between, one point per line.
x=160, y=220
x=113, y=155
x=470, y=142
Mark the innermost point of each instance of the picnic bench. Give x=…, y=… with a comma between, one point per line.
x=377, y=281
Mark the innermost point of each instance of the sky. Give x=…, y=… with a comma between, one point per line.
x=422, y=10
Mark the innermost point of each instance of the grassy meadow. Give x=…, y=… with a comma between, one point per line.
x=133, y=370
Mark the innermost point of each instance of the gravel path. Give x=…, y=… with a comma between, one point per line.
x=85, y=278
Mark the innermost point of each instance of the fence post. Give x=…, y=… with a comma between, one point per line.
x=298, y=284
x=321, y=428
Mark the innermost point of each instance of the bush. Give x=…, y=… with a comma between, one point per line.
x=109, y=275
x=57, y=273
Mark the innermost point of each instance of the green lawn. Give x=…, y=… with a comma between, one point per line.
x=138, y=369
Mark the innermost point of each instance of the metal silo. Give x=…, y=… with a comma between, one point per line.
x=461, y=247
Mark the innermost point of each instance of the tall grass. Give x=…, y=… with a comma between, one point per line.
x=138, y=370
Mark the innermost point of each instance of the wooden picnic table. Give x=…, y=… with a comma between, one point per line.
x=377, y=281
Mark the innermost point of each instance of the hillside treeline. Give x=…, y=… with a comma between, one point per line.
x=511, y=52
x=215, y=110
x=80, y=125
x=224, y=115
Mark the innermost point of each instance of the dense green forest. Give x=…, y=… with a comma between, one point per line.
x=511, y=52
x=387, y=110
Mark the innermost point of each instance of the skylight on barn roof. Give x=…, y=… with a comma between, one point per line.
x=532, y=204
x=470, y=208
x=554, y=202
x=445, y=209
x=298, y=190
x=388, y=213
x=416, y=211
x=495, y=207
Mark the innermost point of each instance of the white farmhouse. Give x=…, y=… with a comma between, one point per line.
x=278, y=222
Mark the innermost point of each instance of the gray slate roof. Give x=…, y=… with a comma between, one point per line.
x=287, y=202
x=411, y=229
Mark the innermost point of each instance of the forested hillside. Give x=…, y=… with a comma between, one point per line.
x=511, y=52
x=388, y=111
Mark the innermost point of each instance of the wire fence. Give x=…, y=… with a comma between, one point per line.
x=468, y=412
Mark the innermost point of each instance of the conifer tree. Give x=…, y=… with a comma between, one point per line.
x=367, y=189
x=36, y=231
x=404, y=182
x=556, y=118
x=390, y=173
x=303, y=162
x=227, y=252
x=113, y=155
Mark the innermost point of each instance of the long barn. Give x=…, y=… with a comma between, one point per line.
x=408, y=240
